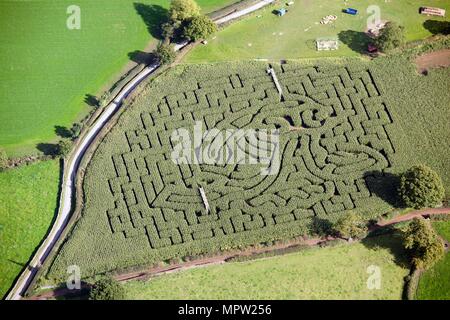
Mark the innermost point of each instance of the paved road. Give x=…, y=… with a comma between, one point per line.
x=71, y=168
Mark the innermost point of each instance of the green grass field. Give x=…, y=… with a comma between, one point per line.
x=434, y=284
x=325, y=273
x=28, y=198
x=263, y=35
x=48, y=69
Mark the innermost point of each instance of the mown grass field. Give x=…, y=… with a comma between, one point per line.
x=48, y=69
x=434, y=284
x=28, y=199
x=263, y=35
x=325, y=273
x=137, y=211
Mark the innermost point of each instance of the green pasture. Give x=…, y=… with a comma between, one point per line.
x=327, y=273
x=263, y=35
x=28, y=200
x=434, y=284
x=47, y=69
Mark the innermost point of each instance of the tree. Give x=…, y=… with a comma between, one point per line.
x=421, y=187
x=165, y=53
x=63, y=148
x=350, y=225
x=107, y=289
x=181, y=10
x=3, y=159
x=199, y=27
x=423, y=243
x=390, y=37
x=75, y=130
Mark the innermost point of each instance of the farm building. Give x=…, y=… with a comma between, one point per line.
x=327, y=44
x=430, y=11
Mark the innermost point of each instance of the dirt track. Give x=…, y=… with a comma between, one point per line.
x=437, y=59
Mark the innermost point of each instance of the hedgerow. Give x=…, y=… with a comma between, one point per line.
x=341, y=139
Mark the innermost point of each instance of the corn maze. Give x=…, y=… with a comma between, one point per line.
x=333, y=137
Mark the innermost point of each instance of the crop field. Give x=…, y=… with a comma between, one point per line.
x=28, y=198
x=320, y=273
x=47, y=69
x=342, y=139
x=434, y=284
x=263, y=35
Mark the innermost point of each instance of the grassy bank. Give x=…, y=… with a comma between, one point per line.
x=325, y=273
x=28, y=199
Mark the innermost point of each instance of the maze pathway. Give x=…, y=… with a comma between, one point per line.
x=332, y=132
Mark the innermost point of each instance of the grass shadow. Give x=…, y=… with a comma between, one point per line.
x=142, y=57
x=153, y=16
x=355, y=40
x=91, y=100
x=391, y=241
x=437, y=27
x=63, y=132
x=321, y=227
x=48, y=149
x=385, y=186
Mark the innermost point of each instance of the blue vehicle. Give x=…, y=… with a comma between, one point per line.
x=350, y=11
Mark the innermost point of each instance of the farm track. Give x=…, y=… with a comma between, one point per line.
x=72, y=166
x=222, y=258
x=437, y=59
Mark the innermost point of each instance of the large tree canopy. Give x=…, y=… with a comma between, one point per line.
x=181, y=10
x=421, y=187
x=199, y=27
x=391, y=37
x=107, y=289
x=423, y=243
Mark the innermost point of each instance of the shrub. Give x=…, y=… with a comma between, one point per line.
x=75, y=130
x=350, y=225
x=181, y=10
x=107, y=289
x=424, y=245
x=421, y=187
x=199, y=28
x=3, y=159
x=165, y=53
x=63, y=148
x=391, y=37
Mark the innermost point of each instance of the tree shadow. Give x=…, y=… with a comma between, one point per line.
x=384, y=185
x=48, y=149
x=63, y=132
x=153, y=16
x=355, y=40
x=23, y=265
x=391, y=241
x=91, y=100
x=321, y=227
x=437, y=27
x=142, y=57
